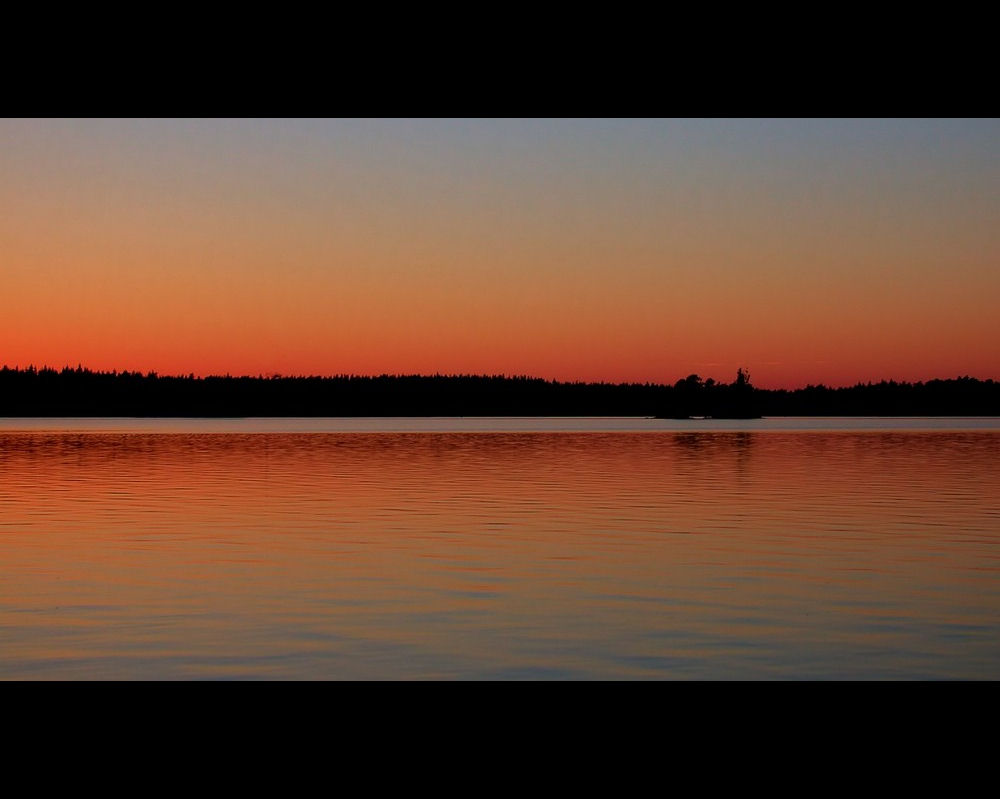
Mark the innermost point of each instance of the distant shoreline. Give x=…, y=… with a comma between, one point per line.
x=52, y=428
x=83, y=393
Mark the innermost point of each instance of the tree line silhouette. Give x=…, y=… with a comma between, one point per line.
x=82, y=392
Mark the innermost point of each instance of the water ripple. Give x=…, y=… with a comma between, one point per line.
x=427, y=553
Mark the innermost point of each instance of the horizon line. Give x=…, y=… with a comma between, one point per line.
x=152, y=373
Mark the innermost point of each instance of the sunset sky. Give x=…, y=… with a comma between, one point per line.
x=617, y=250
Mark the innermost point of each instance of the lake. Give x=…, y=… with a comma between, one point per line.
x=499, y=549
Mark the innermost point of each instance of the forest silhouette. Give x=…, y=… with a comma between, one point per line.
x=78, y=391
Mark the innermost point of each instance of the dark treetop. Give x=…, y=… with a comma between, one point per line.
x=81, y=392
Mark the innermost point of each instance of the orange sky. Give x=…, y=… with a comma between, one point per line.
x=578, y=250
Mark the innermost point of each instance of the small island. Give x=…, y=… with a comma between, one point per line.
x=692, y=398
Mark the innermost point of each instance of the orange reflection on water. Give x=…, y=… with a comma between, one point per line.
x=500, y=554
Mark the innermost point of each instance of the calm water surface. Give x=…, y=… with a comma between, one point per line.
x=499, y=549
